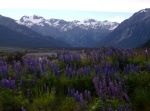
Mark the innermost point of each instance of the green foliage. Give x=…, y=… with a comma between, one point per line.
x=139, y=80
x=68, y=104
x=15, y=56
x=85, y=62
x=138, y=88
x=44, y=101
x=98, y=104
x=12, y=100
x=141, y=99
x=83, y=83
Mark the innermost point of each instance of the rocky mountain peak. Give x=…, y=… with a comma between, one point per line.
x=144, y=10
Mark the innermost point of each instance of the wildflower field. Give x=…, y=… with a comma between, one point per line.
x=105, y=79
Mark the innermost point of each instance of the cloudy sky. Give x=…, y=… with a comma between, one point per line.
x=113, y=10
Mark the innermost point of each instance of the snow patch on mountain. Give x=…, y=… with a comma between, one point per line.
x=63, y=25
x=144, y=10
x=31, y=20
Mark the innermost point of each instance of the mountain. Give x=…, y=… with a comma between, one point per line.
x=11, y=38
x=132, y=32
x=11, y=23
x=24, y=35
x=77, y=33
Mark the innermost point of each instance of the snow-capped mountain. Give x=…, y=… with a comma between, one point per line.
x=66, y=25
x=77, y=33
x=13, y=34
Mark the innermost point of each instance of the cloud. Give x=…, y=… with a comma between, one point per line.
x=84, y=5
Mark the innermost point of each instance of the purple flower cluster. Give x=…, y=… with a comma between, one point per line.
x=3, y=67
x=23, y=109
x=8, y=83
x=73, y=72
x=84, y=71
x=79, y=96
x=148, y=67
x=70, y=57
x=111, y=90
x=54, y=68
x=120, y=108
x=17, y=69
x=131, y=68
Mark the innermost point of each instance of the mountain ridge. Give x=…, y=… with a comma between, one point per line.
x=25, y=32
x=77, y=33
x=132, y=32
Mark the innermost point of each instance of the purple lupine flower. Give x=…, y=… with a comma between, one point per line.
x=84, y=106
x=89, y=95
x=100, y=92
x=4, y=69
x=17, y=69
x=25, y=72
x=126, y=108
x=77, y=96
x=70, y=72
x=117, y=66
x=28, y=93
x=93, y=63
x=41, y=71
x=44, y=68
x=12, y=84
x=112, y=88
x=104, y=83
x=103, y=108
x=121, y=86
x=67, y=71
x=57, y=72
x=75, y=67
x=74, y=73
x=126, y=97
x=110, y=108
x=109, y=92
x=146, y=54
x=78, y=108
x=106, y=73
x=148, y=67
x=95, y=81
x=8, y=83
x=103, y=97
x=23, y=109
x=119, y=108
x=3, y=83
x=88, y=70
x=116, y=92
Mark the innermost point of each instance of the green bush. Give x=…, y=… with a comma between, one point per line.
x=12, y=100
x=142, y=99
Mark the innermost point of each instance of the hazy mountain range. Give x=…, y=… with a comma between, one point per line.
x=77, y=33
x=14, y=34
x=36, y=31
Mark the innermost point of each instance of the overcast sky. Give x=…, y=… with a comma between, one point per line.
x=113, y=10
